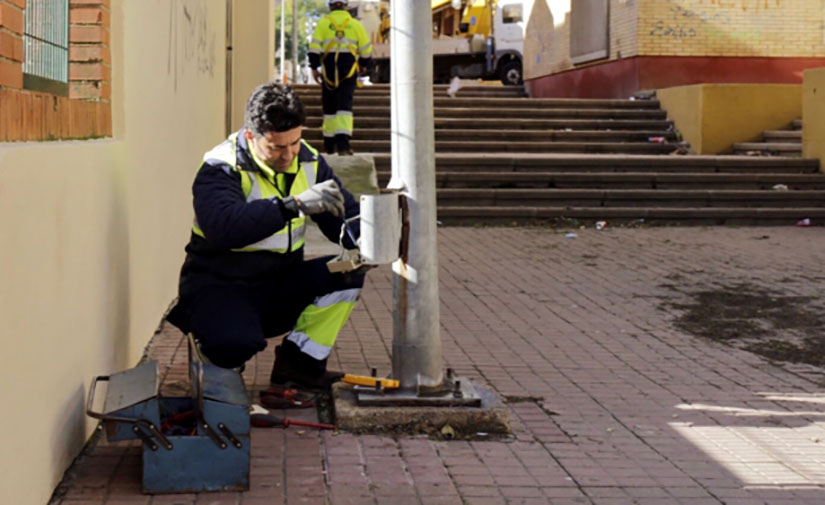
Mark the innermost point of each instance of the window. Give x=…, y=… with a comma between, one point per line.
x=511, y=13
x=46, y=46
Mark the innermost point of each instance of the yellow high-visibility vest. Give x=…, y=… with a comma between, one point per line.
x=263, y=184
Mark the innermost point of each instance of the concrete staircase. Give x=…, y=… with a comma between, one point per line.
x=505, y=159
x=786, y=142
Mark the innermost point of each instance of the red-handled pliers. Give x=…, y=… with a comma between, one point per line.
x=283, y=398
x=262, y=418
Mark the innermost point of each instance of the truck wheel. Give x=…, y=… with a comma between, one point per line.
x=511, y=73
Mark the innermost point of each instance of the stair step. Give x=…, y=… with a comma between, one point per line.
x=767, y=147
x=517, y=103
x=520, y=124
x=509, y=113
x=561, y=162
x=579, y=197
x=786, y=136
x=513, y=135
x=367, y=92
x=681, y=215
x=436, y=87
x=444, y=146
x=609, y=180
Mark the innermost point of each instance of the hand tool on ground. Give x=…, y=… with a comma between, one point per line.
x=262, y=418
x=370, y=381
x=285, y=398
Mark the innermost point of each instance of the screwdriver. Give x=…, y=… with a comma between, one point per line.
x=261, y=418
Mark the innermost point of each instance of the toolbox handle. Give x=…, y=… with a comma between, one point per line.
x=90, y=400
x=134, y=420
x=198, y=384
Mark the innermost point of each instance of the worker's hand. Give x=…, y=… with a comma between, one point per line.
x=316, y=75
x=322, y=197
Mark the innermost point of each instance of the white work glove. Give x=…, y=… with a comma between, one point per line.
x=322, y=197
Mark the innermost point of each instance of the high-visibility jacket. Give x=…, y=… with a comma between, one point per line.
x=243, y=230
x=339, y=45
x=264, y=183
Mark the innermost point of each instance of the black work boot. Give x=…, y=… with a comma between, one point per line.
x=295, y=369
x=342, y=145
x=329, y=145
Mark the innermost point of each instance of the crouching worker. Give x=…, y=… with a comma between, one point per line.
x=245, y=278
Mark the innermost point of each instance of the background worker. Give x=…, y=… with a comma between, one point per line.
x=244, y=278
x=340, y=47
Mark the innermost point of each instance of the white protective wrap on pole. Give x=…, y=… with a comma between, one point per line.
x=416, y=353
x=380, y=228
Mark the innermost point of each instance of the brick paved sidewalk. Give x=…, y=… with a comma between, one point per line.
x=611, y=403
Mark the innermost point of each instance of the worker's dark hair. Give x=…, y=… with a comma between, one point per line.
x=273, y=107
x=337, y=6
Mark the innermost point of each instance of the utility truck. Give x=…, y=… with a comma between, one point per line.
x=472, y=39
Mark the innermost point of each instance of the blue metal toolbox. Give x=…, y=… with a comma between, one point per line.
x=190, y=444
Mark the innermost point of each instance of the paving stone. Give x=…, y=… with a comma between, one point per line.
x=611, y=401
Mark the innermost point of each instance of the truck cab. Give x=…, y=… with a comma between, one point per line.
x=471, y=38
x=508, y=32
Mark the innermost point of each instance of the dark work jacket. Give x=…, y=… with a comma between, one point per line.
x=228, y=222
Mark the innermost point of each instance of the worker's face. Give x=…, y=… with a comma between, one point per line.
x=277, y=149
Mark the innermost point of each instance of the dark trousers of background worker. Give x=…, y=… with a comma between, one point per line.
x=231, y=321
x=338, y=121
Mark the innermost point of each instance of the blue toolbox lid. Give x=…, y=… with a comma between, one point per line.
x=131, y=387
x=222, y=385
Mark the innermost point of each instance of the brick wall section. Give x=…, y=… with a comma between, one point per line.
x=770, y=28
x=89, y=60
x=623, y=27
x=86, y=113
x=695, y=28
x=11, y=43
x=554, y=36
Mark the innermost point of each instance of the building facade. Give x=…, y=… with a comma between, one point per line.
x=613, y=48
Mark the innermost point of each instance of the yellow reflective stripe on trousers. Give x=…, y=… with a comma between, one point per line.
x=346, y=295
x=319, y=324
x=329, y=125
x=343, y=122
x=308, y=346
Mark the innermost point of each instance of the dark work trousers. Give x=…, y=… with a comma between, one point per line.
x=337, y=107
x=232, y=321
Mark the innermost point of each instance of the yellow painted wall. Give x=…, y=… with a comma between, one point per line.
x=779, y=28
x=714, y=116
x=92, y=233
x=684, y=107
x=253, y=51
x=813, y=107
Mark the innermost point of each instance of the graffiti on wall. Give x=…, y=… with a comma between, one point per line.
x=191, y=44
x=713, y=19
x=745, y=5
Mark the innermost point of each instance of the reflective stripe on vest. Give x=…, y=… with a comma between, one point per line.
x=256, y=186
